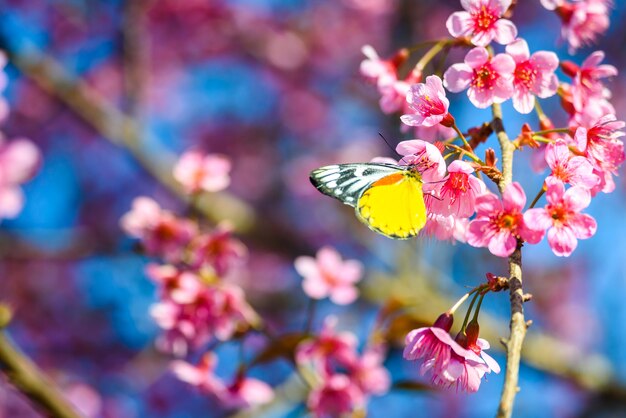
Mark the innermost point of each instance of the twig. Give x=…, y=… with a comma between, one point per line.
x=123, y=131
x=31, y=381
x=518, y=324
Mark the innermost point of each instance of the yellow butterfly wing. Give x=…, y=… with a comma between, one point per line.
x=394, y=205
x=387, y=198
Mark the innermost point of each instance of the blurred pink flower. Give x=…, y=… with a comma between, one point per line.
x=569, y=168
x=369, y=373
x=482, y=21
x=499, y=223
x=242, y=393
x=327, y=275
x=490, y=79
x=207, y=312
x=162, y=234
x=335, y=397
x=217, y=249
x=199, y=172
x=457, y=195
x=85, y=398
x=428, y=101
x=563, y=218
x=587, y=87
x=600, y=142
x=179, y=286
x=446, y=228
x=328, y=349
x=583, y=20
x=19, y=160
x=375, y=69
x=533, y=76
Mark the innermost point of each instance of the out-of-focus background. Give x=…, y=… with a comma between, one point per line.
x=111, y=91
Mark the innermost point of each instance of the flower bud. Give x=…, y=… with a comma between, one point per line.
x=444, y=321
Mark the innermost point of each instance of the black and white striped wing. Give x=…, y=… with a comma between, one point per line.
x=347, y=182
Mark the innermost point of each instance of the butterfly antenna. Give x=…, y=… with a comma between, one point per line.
x=388, y=144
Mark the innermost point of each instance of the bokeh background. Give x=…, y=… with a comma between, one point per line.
x=274, y=85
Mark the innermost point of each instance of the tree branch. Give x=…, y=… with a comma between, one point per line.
x=123, y=131
x=518, y=323
x=31, y=381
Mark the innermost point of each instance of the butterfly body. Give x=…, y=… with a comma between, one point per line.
x=387, y=198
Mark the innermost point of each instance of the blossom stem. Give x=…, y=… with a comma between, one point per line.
x=536, y=199
x=458, y=131
x=463, y=151
x=467, y=314
x=480, y=302
x=551, y=131
x=518, y=323
x=310, y=315
x=430, y=54
x=460, y=302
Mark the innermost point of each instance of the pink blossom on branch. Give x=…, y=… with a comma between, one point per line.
x=587, y=89
x=429, y=102
x=162, y=234
x=490, y=79
x=337, y=396
x=499, y=223
x=328, y=275
x=569, y=168
x=563, y=218
x=533, y=76
x=243, y=392
x=583, y=20
x=482, y=21
x=457, y=195
x=202, y=172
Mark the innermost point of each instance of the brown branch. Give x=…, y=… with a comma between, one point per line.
x=135, y=51
x=518, y=324
x=123, y=131
x=31, y=381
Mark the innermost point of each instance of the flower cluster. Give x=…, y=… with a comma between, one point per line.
x=199, y=301
x=341, y=379
x=458, y=363
x=583, y=156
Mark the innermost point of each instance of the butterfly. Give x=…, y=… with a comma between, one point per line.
x=387, y=198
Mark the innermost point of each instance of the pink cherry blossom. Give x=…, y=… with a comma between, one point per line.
x=457, y=195
x=428, y=101
x=482, y=22
x=587, y=87
x=19, y=160
x=213, y=312
x=563, y=218
x=327, y=275
x=583, y=20
x=600, y=142
x=199, y=172
x=533, y=76
x=461, y=373
x=336, y=396
x=569, y=168
x=425, y=157
x=499, y=223
x=242, y=393
x=490, y=79
x=161, y=233
x=179, y=286
x=374, y=68
x=217, y=249
x=384, y=73
x=446, y=228
x=328, y=349
x=369, y=373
